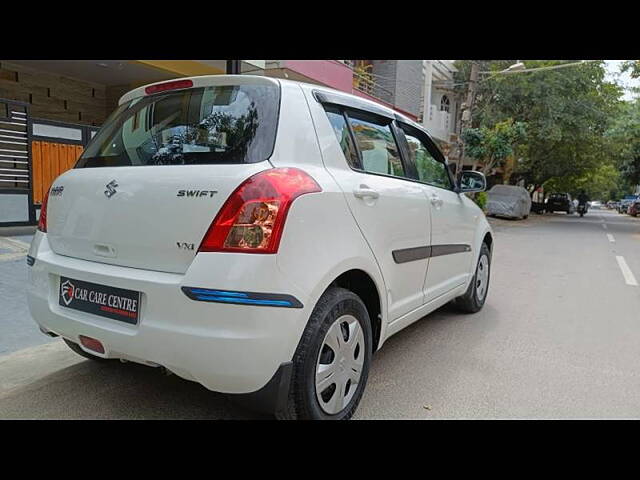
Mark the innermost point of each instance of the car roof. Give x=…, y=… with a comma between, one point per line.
x=362, y=100
x=507, y=187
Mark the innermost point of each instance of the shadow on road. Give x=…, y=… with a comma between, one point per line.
x=416, y=365
x=112, y=390
x=446, y=317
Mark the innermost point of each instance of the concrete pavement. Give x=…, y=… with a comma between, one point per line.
x=559, y=337
x=16, y=327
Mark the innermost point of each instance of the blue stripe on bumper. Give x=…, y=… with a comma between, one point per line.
x=242, y=298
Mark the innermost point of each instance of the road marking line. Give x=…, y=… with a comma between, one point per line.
x=626, y=272
x=610, y=237
x=5, y=257
x=14, y=244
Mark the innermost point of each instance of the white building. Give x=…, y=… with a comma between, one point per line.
x=439, y=105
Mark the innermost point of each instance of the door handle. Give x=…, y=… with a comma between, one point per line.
x=363, y=192
x=436, y=201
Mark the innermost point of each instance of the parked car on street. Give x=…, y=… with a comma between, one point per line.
x=560, y=202
x=508, y=201
x=259, y=236
x=596, y=205
x=626, y=202
x=634, y=208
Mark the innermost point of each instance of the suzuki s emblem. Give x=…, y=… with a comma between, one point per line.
x=67, y=292
x=111, y=189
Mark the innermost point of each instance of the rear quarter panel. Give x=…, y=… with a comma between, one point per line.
x=321, y=239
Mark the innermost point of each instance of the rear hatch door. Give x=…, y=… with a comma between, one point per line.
x=148, y=186
x=152, y=218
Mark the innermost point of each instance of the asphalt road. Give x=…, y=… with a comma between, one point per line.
x=559, y=337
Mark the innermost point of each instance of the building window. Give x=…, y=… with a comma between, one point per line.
x=444, y=104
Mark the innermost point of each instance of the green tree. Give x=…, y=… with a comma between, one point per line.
x=598, y=183
x=491, y=146
x=624, y=137
x=633, y=67
x=566, y=111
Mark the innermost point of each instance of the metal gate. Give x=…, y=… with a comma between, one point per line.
x=16, y=201
x=55, y=148
x=33, y=152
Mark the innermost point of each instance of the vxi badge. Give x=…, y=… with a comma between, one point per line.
x=111, y=189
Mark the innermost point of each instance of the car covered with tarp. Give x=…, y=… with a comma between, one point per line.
x=508, y=201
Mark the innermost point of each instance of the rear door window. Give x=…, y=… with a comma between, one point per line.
x=341, y=129
x=209, y=125
x=376, y=143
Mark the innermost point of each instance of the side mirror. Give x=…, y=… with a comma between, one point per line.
x=471, y=181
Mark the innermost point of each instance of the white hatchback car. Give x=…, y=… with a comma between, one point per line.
x=258, y=236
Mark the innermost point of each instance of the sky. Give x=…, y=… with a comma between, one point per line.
x=625, y=80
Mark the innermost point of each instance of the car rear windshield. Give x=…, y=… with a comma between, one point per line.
x=210, y=125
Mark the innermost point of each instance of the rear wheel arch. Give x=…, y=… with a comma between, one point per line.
x=488, y=239
x=360, y=282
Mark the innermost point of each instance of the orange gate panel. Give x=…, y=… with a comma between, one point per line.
x=49, y=160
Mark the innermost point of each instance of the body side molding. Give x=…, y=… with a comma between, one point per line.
x=418, y=253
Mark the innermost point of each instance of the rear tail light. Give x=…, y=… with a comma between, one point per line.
x=252, y=219
x=163, y=87
x=42, y=223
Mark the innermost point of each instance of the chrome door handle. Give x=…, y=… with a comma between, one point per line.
x=436, y=201
x=363, y=192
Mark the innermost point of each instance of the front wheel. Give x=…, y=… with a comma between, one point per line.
x=331, y=363
x=473, y=299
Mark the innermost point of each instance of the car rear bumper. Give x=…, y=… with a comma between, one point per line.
x=227, y=348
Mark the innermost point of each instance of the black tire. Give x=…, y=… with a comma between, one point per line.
x=303, y=403
x=525, y=217
x=469, y=302
x=76, y=348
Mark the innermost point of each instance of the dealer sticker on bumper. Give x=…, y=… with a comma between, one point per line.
x=110, y=302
